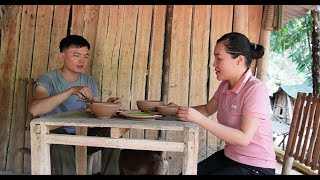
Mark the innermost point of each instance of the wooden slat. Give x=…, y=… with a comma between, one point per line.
x=308, y=127
x=140, y=62
x=90, y=31
x=77, y=22
x=141, y=51
x=112, y=50
x=220, y=14
x=199, y=65
x=303, y=126
x=114, y=143
x=42, y=40
x=316, y=154
x=294, y=126
x=15, y=158
x=156, y=52
x=126, y=55
x=315, y=129
x=255, y=17
x=59, y=31
x=154, y=78
x=8, y=62
x=101, y=47
x=241, y=19
x=179, y=70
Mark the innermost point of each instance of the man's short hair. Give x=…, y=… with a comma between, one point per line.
x=73, y=41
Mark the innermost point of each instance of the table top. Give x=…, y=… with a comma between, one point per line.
x=84, y=118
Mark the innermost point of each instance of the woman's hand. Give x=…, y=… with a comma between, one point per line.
x=189, y=114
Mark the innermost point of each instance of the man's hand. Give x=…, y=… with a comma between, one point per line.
x=85, y=90
x=114, y=100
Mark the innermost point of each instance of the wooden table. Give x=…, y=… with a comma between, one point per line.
x=41, y=139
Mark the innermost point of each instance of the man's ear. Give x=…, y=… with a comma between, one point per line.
x=61, y=56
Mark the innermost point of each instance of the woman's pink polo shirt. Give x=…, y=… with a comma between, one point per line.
x=249, y=97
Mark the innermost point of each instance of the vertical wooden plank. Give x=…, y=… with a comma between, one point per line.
x=15, y=158
x=126, y=55
x=8, y=62
x=179, y=70
x=156, y=53
x=140, y=62
x=255, y=17
x=199, y=65
x=241, y=19
x=77, y=21
x=264, y=40
x=112, y=50
x=220, y=14
x=27, y=158
x=90, y=31
x=42, y=40
x=59, y=31
x=154, y=78
x=100, y=50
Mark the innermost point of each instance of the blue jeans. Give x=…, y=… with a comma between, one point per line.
x=219, y=164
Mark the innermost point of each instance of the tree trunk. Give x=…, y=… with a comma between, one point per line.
x=315, y=41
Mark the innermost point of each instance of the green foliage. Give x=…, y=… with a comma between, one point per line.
x=293, y=43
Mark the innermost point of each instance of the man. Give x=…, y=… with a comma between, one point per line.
x=59, y=91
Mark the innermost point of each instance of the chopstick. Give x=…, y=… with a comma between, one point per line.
x=86, y=97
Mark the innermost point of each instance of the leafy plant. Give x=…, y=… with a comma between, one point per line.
x=293, y=43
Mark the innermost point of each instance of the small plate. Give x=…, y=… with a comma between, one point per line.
x=139, y=115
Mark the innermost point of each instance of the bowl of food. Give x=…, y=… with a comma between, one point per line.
x=103, y=110
x=149, y=105
x=169, y=109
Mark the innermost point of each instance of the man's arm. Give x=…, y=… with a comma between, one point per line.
x=42, y=103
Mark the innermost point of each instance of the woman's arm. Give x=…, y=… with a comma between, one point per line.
x=208, y=109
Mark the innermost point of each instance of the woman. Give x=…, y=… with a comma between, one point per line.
x=242, y=105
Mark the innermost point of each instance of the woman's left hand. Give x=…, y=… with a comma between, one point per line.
x=188, y=114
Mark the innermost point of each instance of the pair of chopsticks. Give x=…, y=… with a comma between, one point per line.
x=86, y=98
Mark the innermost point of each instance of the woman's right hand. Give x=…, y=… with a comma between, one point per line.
x=189, y=114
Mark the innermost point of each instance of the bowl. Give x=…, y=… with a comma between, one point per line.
x=167, y=110
x=149, y=105
x=103, y=110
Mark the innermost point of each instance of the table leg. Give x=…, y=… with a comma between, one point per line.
x=190, y=157
x=40, y=151
x=81, y=153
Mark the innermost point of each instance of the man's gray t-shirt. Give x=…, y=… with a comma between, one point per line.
x=55, y=83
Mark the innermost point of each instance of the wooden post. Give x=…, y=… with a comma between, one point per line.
x=265, y=42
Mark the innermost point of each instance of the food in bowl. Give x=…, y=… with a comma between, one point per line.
x=149, y=105
x=103, y=110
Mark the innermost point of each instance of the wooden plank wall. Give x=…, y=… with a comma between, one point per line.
x=126, y=59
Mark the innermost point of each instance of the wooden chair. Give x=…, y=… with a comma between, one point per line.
x=303, y=144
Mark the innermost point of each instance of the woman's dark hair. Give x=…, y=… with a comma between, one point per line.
x=238, y=44
x=73, y=40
